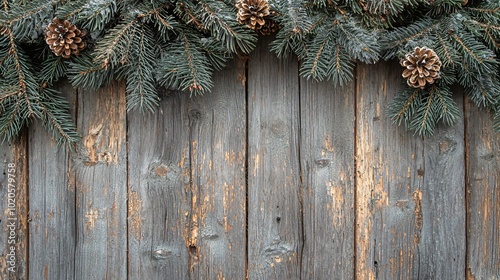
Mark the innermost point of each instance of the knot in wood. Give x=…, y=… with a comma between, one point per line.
x=322, y=162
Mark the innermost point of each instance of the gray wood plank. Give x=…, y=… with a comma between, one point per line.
x=52, y=227
x=442, y=246
x=389, y=181
x=14, y=209
x=159, y=195
x=274, y=212
x=483, y=186
x=101, y=185
x=327, y=164
x=217, y=239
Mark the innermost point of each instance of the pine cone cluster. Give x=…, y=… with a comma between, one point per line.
x=252, y=13
x=422, y=67
x=64, y=38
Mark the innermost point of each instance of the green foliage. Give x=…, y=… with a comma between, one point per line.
x=467, y=40
x=326, y=38
x=179, y=44
x=420, y=110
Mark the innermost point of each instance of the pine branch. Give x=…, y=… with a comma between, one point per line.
x=11, y=121
x=114, y=49
x=221, y=22
x=296, y=24
x=184, y=66
x=24, y=20
x=404, y=106
x=84, y=72
x=399, y=41
x=140, y=75
x=446, y=107
x=484, y=92
x=53, y=68
x=361, y=44
x=496, y=120
x=56, y=119
x=425, y=119
x=92, y=15
x=448, y=54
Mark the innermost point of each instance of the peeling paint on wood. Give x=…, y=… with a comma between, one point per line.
x=101, y=185
x=385, y=155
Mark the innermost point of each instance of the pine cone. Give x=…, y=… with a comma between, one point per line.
x=64, y=39
x=422, y=67
x=269, y=27
x=252, y=12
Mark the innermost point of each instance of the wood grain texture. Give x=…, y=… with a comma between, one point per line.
x=218, y=157
x=327, y=160
x=389, y=181
x=52, y=226
x=14, y=209
x=274, y=210
x=159, y=197
x=101, y=185
x=442, y=242
x=483, y=186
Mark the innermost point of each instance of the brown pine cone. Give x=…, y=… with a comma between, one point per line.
x=422, y=67
x=64, y=39
x=269, y=27
x=252, y=12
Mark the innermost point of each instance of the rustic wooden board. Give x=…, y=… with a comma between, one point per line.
x=217, y=226
x=52, y=226
x=101, y=185
x=483, y=186
x=442, y=245
x=14, y=209
x=389, y=181
x=327, y=164
x=274, y=209
x=159, y=196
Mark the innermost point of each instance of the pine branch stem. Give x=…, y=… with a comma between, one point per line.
x=192, y=19
x=427, y=110
x=318, y=54
x=446, y=50
x=219, y=20
x=110, y=49
x=29, y=14
x=189, y=57
x=54, y=122
x=154, y=11
x=407, y=104
x=471, y=53
x=337, y=59
x=488, y=11
x=422, y=32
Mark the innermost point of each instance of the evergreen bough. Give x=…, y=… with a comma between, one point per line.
x=178, y=44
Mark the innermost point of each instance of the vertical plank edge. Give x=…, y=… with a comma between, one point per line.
x=14, y=209
x=52, y=234
x=483, y=193
x=101, y=184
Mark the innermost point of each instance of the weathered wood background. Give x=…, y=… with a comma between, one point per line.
x=270, y=176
